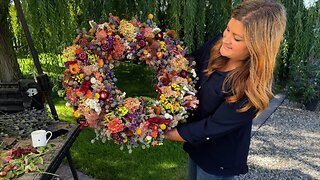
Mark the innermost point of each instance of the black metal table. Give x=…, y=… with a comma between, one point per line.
x=60, y=150
x=64, y=152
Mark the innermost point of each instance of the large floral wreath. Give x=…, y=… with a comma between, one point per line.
x=90, y=86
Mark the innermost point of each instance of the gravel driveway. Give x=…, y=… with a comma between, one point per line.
x=287, y=146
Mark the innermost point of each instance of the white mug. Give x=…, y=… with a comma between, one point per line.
x=39, y=138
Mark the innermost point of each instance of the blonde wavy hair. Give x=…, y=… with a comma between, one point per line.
x=264, y=23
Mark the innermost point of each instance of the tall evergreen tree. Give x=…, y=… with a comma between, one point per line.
x=200, y=24
x=314, y=13
x=236, y=2
x=217, y=16
x=189, y=18
x=174, y=16
x=50, y=24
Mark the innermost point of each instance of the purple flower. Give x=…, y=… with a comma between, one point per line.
x=110, y=42
x=104, y=47
x=67, y=64
x=142, y=43
x=92, y=47
x=86, y=62
x=82, y=55
x=139, y=36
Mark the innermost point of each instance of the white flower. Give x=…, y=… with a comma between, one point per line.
x=194, y=74
x=94, y=104
x=123, y=95
x=148, y=138
x=93, y=80
x=130, y=56
x=156, y=30
x=68, y=104
x=188, y=91
x=168, y=116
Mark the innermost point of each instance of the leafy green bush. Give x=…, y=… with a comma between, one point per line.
x=305, y=85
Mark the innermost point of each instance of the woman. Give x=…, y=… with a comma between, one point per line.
x=235, y=77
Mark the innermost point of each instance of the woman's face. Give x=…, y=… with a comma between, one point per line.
x=233, y=45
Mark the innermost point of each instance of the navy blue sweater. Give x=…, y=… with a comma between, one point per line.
x=218, y=137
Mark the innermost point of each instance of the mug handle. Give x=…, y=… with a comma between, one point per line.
x=48, y=132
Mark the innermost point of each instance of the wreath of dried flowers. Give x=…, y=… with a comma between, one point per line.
x=89, y=81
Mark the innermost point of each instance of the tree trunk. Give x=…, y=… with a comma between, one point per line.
x=9, y=67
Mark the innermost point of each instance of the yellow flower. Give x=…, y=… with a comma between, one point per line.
x=163, y=45
x=97, y=96
x=150, y=16
x=126, y=29
x=125, y=140
x=92, y=57
x=169, y=106
x=92, y=31
x=163, y=99
x=145, y=52
x=177, y=105
x=175, y=87
x=122, y=110
x=138, y=131
x=78, y=78
x=76, y=114
x=179, y=47
x=108, y=118
x=162, y=126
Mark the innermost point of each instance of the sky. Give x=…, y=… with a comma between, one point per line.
x=308, y=2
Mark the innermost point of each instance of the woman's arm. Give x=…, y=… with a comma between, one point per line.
x=223, y=121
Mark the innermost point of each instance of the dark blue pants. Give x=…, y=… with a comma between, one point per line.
x=196, y=173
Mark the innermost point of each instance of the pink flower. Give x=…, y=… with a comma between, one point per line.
x=191, y=101
x=148, y=32
x=181, y=81
x=92, y=118
x=132, y=104
x=144, y=126
x=118, y=48
x=167, y=91
x=179, y=63
x=115, y=125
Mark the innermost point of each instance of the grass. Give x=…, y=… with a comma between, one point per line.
x=106, y=160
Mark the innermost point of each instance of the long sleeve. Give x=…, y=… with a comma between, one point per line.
x=224, y=120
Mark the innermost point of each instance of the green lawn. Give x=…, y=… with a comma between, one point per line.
x=106, y=160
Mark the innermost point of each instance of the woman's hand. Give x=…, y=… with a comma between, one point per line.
x=173, y=135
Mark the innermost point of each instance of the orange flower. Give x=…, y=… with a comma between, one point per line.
x=74, y=68
x=115, y=126
x=100, y=62
x=79, y=92
x=157, y=109
x=78, y=51
x=172, y=33
x=89, y=94
x=101, y=34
